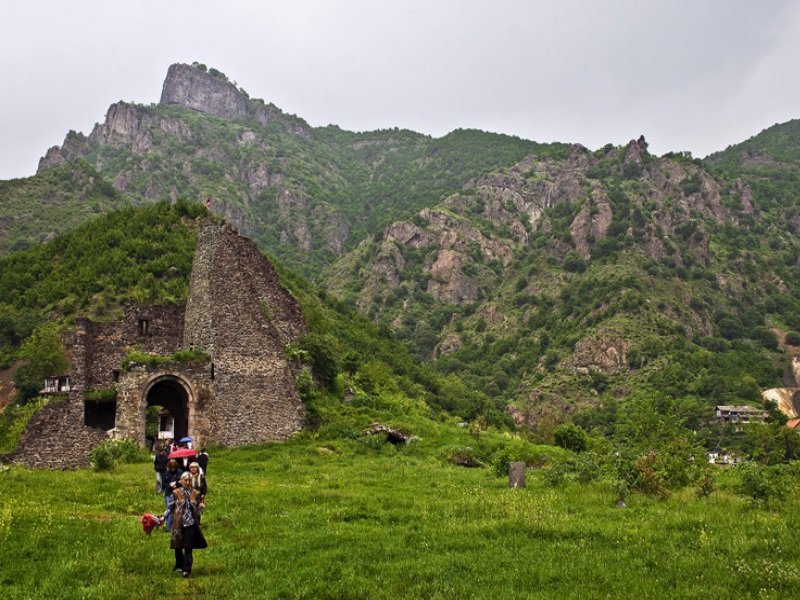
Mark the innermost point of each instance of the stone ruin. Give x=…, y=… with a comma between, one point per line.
x=217, y=363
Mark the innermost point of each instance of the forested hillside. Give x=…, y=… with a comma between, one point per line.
x=561, y=284
x=539, y=282
x=144, y=256
x=35, y=209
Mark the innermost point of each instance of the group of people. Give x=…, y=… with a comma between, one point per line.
x=182, y=481
x=161, y=459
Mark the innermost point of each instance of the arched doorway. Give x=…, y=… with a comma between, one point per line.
x=173, y=395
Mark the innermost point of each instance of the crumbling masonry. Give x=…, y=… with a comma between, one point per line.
x=236, y=388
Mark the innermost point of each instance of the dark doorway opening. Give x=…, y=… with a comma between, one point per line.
x=101, y=415
x=172, y=397
x=796, y=403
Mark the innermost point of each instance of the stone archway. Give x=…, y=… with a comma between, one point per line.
x=175, y=394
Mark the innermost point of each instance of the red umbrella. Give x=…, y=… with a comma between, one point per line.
x=183, y=453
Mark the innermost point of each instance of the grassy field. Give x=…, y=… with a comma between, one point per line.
x=344, y=520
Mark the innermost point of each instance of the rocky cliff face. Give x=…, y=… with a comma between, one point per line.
x=209, y=91
x=190, y=86
x=126, y=125
x=495, y=262
x=492, y=222
x=195, y=88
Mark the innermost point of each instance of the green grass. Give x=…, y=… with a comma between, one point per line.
x=346, y=520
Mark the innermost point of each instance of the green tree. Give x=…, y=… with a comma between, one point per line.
x=648, y=421
x=323, y=351
x=43, y=356
x=571, y=437
x=772, y=443
x=656, y=451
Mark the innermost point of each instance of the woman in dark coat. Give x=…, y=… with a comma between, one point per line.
x=202, y=460
x=186, y=534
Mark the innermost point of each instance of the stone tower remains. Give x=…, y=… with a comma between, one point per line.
x=239, y=314
x=217, y=364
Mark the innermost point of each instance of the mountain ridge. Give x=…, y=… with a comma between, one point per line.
x=308, y=194
x=547, y=276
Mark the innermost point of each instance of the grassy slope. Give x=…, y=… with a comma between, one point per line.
x=349, y=521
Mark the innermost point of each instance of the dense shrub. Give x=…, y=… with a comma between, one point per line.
x=462, y=456
x=792, y=338
x=574, y=263
x=520, y=450
x=571, y=437
x=763, y=484
x=729, y=327
x=588, y=467
x=323, y=356
x=649, y=479
x=556, y=473
x=772, y=443
x=705, y=485
x=110, y=453
x=766, y=337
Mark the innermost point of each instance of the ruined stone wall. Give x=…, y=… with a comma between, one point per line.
x=56, y=436
x=79, y=352
x=133, y=387
x=57, y=439
x=237, y=312
x=104, y=343
x=198, y=332
x=252, y=318
x=164, y=333
x=105, y=348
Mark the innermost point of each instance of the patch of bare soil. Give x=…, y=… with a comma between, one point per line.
x=7, y=390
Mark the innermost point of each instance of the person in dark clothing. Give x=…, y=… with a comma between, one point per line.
x=186, y=533
x=169, y=484
x=160, y=465
x=202, y=460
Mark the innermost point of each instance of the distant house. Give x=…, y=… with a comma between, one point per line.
x=722, y=457
x=740, y=414
x=166, y=425
x=57, y=384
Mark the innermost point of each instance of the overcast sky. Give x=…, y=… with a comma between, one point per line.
x=692, y=75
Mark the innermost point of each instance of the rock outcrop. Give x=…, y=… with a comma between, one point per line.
x=190, y=86
x=193, y=87
x=125, y=125
x=592, y=221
